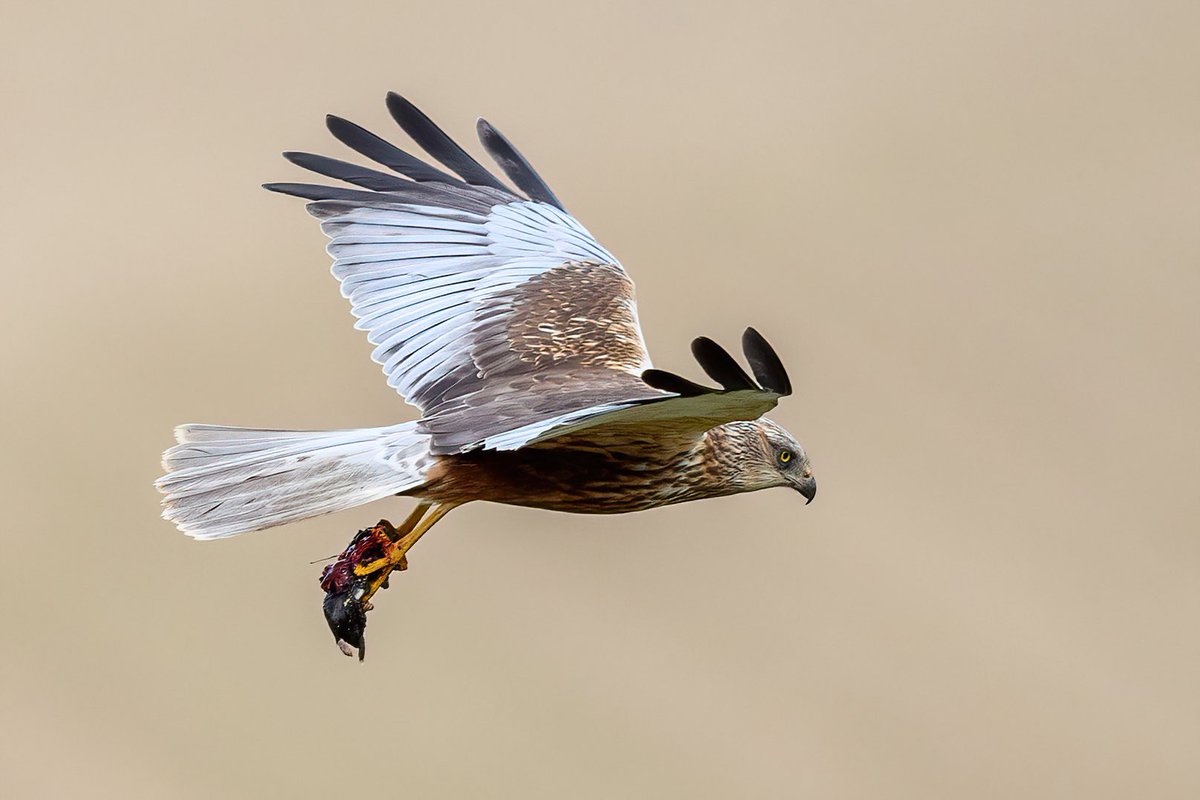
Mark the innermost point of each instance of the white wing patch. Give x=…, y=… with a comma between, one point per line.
x=416, y=276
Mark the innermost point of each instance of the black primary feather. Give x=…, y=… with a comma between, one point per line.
x=345, y=171
x=361, y=140
x=449, y=197
x=515, y=165
x=720, y=366
x=765, y=363
x=437, y=143
x=312, y=191
x=670, y=382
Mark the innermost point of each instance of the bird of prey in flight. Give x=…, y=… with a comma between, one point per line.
x=515, y=333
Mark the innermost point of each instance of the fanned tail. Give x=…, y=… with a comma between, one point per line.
x=221, y=481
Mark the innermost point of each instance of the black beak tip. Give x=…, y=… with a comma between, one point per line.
x=809, y=490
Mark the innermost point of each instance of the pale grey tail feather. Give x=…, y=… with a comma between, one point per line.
x=222, y=481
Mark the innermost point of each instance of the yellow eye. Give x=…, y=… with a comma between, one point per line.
x=785, y=456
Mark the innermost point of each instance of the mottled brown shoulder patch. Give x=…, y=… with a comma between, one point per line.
x=582, y=312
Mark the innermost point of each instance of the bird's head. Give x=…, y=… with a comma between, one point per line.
x=772, y=457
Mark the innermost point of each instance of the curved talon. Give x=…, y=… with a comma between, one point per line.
x=379, y=581
x=362, y=570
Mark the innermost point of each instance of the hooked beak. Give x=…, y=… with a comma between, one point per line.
x=808, y=488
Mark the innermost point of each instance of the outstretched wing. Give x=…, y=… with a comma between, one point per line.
x=466, y=287
x=495, y=313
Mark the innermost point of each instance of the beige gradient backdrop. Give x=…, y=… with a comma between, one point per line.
x=971, y=229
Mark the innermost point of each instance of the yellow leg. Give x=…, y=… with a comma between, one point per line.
x=405, y=527
x=410, y=538
x=412, y=519
x=413, y=529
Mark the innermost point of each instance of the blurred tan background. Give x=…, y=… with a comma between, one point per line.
x=971, y=229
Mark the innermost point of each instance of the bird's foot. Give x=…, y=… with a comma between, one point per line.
x=358, y=573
